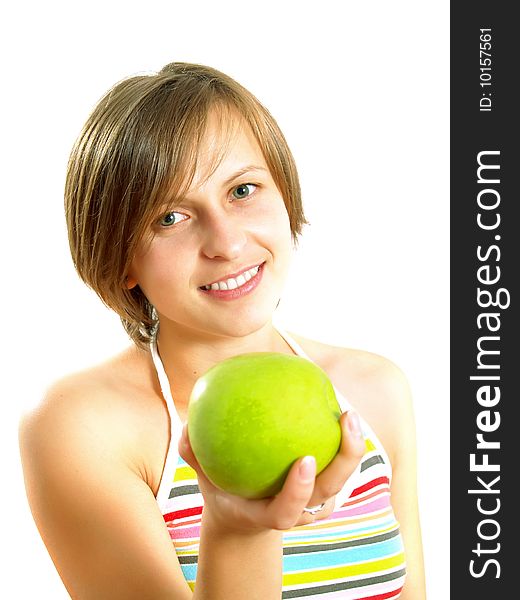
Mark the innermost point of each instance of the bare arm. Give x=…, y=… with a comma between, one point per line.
x=105, y=533
x=98, y=518
x=404, y=483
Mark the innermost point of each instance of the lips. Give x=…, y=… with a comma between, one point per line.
x=234, y=282
x=237, y=286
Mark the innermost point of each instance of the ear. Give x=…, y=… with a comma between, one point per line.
x=130, y=282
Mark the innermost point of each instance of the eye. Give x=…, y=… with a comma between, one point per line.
x=171, y=218
x=244, y=190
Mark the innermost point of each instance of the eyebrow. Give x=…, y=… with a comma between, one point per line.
x=243, y=171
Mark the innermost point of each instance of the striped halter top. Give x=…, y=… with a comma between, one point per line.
x=356, y=553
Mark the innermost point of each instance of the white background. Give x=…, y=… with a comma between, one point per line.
x=361, y=92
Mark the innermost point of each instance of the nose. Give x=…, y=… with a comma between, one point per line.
x=223, y=236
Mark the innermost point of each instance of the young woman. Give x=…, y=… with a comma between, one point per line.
x=183, y=204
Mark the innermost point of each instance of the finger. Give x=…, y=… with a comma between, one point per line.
x=187, y=454
x=332, y=479
x=185, y=449
x=286, y=508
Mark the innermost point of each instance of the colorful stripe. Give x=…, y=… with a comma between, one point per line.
x=354, y=554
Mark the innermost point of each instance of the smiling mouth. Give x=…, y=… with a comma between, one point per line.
x=232, y=283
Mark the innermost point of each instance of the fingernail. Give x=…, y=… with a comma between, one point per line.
x=307, y=469
x=354, y=426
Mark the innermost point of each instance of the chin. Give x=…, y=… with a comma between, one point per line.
x=242, y=327
x=242, y=323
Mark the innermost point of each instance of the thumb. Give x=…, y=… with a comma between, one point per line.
x=286, y=507
x=332, y=479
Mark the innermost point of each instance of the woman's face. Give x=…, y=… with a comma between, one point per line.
x=218, y=260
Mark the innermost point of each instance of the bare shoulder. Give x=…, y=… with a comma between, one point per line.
x=359, y=372
x=92, y=455
x=76, y=399
x=374, y=385
x=104, y=406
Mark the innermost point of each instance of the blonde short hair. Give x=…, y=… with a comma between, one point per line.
x=139, y=148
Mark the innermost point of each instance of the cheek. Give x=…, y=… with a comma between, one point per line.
x=274, y=225
x=162, y=270
x=280, y=229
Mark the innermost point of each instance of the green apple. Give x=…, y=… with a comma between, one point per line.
x=251, y=416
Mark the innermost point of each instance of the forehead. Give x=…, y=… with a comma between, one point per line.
x=228, y=144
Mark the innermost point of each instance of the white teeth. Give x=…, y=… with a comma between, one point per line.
x=232, y=283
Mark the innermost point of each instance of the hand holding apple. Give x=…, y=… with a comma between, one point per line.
x=252, y=416
x=301, y=488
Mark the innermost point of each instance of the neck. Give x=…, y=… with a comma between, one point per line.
x=187, y=355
